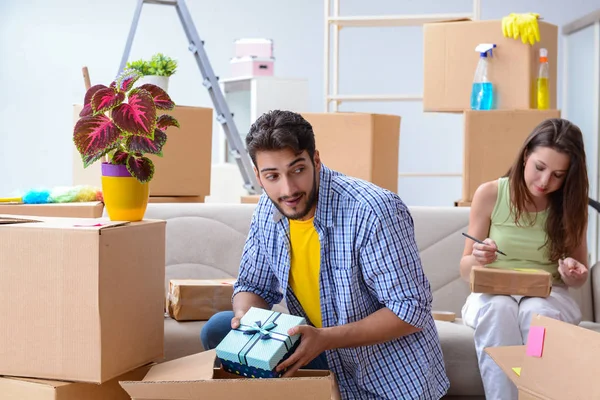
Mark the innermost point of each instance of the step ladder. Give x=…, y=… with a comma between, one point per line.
x=210, y=81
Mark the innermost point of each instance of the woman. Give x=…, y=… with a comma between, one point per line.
x=537, y=215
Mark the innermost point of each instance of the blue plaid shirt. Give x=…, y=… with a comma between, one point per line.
x=369, y=260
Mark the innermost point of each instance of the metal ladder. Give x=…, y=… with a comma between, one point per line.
x=224, y=115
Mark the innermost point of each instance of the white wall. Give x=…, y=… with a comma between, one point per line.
x=44, y=44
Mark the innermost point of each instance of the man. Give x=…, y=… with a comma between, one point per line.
x=343, y=254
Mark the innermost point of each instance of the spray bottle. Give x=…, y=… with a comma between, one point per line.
x=482, y=93
x=543, y=91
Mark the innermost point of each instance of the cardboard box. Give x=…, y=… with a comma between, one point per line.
x=176, y=199
x=82, y=299
x=38, y=389
x=91, y=209
x=492, y=140
x=250, y=199
x=560, y=361
x=198, y=299
x=194, y=377
x=535, y=283
x=450, y=62
x=462, y=203
x=184, y=169
x=372, y=140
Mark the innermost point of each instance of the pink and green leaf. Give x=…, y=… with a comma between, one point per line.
x=140, y=144
x=94, y=134
x=106, y=99
x=86, y=111
x=87, y=100
x=166, y=120
x=91, y=92
x=138, y=116
x=89, y=159
x=120, y=157
x=140, y=167
x=161, y=98
x=126, y=79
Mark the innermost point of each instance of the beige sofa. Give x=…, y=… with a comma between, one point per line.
x=206, y=240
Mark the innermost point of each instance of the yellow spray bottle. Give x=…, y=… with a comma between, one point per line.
x=543, y=92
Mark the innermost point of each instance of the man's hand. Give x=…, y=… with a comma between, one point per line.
x=313, y=342
x=572, y=272
x=235, y=321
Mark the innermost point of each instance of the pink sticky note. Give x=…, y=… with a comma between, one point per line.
x=535, y=341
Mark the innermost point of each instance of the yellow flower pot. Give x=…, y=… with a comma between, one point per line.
x=125, y=198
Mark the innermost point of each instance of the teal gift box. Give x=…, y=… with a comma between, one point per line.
x=259, y=344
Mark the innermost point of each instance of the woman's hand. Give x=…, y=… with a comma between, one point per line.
x=572, y=272
x=485, y=253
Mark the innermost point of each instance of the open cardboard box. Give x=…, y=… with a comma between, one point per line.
x=195, y=377
x=82, y=299
x=560, y=361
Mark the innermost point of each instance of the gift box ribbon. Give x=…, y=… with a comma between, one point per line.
x=261, y=331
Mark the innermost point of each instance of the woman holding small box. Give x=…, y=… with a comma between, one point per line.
x=537, y=215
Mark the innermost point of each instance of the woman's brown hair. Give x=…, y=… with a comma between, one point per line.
x=567, y=216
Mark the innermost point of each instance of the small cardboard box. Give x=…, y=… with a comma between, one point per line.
x=492, y=140
x=91, y=209
x=38, y=389
x=184, y=169
x=193, y=377
x=250, y=199
x=82, y=299
x=560, y=361
x=198, y=299
x=373, y=140
x=522, y=282
x=450, y=61
x=259, y=344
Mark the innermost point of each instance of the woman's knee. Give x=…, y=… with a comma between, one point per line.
x=501, y=308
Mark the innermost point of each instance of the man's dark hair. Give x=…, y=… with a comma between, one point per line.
x=278, y=130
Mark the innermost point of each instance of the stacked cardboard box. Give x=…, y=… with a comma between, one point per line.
x=373, y=140
x=82, y=305
x=491, y=138
x=183, y=173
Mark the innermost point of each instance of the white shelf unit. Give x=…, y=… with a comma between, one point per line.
x=580, y=104
x=250, y=97
x=335, y=22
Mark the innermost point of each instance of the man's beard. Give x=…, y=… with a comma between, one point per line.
x=312, y=199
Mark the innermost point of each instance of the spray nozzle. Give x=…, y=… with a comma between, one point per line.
x=543, y=55
x=484, y=48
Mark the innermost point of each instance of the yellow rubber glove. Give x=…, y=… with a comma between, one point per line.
x=523, y=25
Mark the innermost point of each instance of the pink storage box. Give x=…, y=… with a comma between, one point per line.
x=252, y=66
x=261, y=48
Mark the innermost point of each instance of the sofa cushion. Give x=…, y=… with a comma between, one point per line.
x=460, y=358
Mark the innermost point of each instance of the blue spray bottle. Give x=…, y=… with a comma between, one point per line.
x=482, y=94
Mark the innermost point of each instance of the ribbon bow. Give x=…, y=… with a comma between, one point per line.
x=257, y=327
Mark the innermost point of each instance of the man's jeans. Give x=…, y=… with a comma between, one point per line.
x=219, y=325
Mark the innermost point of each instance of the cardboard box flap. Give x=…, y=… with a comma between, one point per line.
x=194, y=376
x=507, y=358
x=568, y=366
x=28, y=221
x=41, y=382
x=197, y=367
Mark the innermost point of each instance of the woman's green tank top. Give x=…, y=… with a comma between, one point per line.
x=524, y=243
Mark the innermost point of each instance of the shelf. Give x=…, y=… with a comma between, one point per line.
x=395, y=20
x=374, y=97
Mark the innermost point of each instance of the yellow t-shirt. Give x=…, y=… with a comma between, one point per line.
x=305, y=268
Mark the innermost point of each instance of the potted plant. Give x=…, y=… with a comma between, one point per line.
x=156, y=71
x=122, y=132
